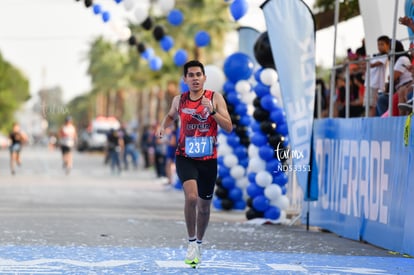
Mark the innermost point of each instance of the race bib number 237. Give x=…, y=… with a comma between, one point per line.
x=198, y=146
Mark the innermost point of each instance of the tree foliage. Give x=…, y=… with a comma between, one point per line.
x=325, y=11
x=14, y=91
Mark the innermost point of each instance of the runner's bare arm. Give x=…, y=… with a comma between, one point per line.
x=170, y=117
x=222, y=115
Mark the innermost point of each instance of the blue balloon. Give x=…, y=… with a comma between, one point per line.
x=106, y=16
x=255, y=126
x=202, y=38
x=252, y=177
x=180, y=57
x=118, y=1
x=277, y=115
x=217, y=203
x=245, y=120
x=183, y=86
x=167, y=42
x=233, y=140
x=253, y=190
x=261, y=203
x=257, y=74
x=228, y=182
x=266, y=152
x=239, y=205
x=233, y=98
x=272, y=166
x=244, y=162
x=280, y=179
x=155, y=63
x=220, y=160
x=258, y=139
x=238, y=9
x=240, y=152
x=148, y=53
x=272, y=213
x=236, y=194
x=282, y=129
x=175, y=17
x=228, y=87
x=241, y=109
x=238, y=66
x=223, y=171
x=261, y=90
x=268, y=102
x=96, y=8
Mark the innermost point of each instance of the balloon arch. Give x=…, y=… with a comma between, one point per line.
x=251, y=172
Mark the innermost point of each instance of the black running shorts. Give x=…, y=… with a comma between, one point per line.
x=203, y=171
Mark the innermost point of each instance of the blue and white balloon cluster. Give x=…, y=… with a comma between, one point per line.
x=233, y=157
x=266, y=173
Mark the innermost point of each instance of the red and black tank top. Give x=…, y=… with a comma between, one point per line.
x=196, y=122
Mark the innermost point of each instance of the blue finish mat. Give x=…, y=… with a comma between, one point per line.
x=122, y=260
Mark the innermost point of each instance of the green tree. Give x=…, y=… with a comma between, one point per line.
x=14, y=91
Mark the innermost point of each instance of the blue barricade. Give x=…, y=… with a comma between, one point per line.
x=364, y=173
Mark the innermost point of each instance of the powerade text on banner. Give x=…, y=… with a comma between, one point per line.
x=365, y=175
x=291, y=31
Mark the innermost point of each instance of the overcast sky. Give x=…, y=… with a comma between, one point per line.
x=48, y=39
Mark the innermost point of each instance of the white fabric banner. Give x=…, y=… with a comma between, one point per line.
x=291, y=33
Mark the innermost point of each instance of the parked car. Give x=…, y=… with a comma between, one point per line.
x=94, y=137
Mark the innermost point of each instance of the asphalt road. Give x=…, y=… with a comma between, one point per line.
x=94, y=222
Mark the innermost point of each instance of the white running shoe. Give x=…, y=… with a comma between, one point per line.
x=193, y=254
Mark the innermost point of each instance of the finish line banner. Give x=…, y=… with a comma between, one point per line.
x=365, y=177
x=291, y=31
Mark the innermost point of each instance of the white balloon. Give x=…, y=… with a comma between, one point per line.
x=141, y=13
x=224, y=149
x=248, y=98
x=268, y=76
x=243, y=87
x=221, y=139
x=275, y=91
x=230, y=160
x=237, y=171
x=129, y=4
x=242, y=183
x=263, y=178
x=282, y=202
x=253, y=150
x=125, y=33
x=273, y=192
x=256, y=164
x=215, y=78
x=166, y=5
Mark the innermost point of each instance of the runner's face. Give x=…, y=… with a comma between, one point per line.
x=195, y=79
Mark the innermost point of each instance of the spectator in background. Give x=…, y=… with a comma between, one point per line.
x=377, y=74
x=402, y=79
x=115, y=146
x=146, y=145
x=320, y=86
x=160, y=146
x=130, y=149
x=355, y=109
x=172, y=147
x=361, y=52
x=17, y=138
